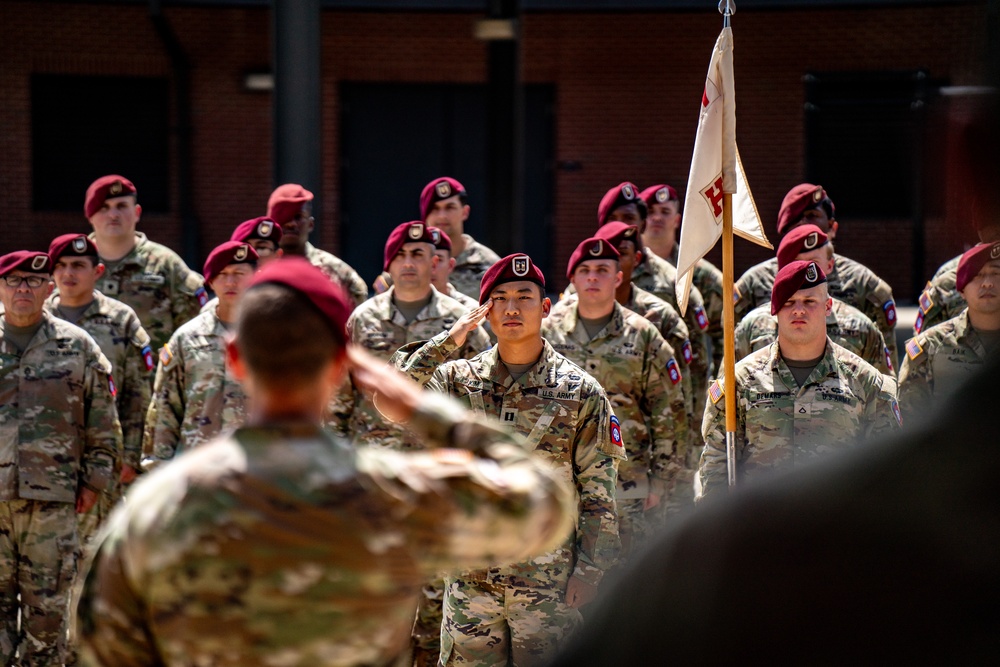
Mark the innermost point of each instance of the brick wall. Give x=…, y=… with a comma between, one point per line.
x=627, y=88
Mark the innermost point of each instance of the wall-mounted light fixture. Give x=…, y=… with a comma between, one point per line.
x=258, y=82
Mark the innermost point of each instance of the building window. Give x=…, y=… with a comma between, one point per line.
x=83, y=127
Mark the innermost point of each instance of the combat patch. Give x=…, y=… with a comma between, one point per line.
x=147, y=356
x=616, y=431
x=888, y=358
x=686, y=351
x=202, y=296
x=918, y=325
x=673, y=371
x=890, y=311
x=700, y=317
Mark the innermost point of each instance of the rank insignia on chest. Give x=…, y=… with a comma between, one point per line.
x=918, y=324
x=147, y=356
x=926, y=302
x=701, y=318
x=686, y=351
x=913, y=349
x=616, y=431
x=715, y=392
x=890, y=311
x=109, y=286
x=673, y=371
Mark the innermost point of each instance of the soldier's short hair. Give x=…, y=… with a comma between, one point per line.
x=282, y=337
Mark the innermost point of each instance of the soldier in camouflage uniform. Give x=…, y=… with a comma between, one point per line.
x=410, y=310
x=845, y=325
x=849, y=281
x=660, y=236
x=281, y=545
x=195, y=396
x=148, y=277
x=521, y=613
x=60, y=447
x=942, y=358
x=116, y=329
x=445, y=266
x=290, y=205
x=638, y=371
x=799, y=399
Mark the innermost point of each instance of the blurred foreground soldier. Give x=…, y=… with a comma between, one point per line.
x=851, y=282
x=941, y=359
x=660, y=236
x=799, y=399
x=281, y=545
x=60, y=446
x=290, y=205
x=148, y=277
x=638, y=371
x=845, y=325
x=520, y=614
x=195, y=396
x=116, y=329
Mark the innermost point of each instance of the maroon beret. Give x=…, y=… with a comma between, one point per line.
x=25, y=260
x=436, y=190
x=617, y=231
x=77, y=245
x=230, y=252
x=511, y=268
x=408, y=232
x=286, y=201
x=659, y=194
x=800, y=199
x=973, y=261
x=441, y=240
x=300, y=275
x=793, y=277
x=103, y=189
x=620, y=195
x=592, y=248
x=263, y=228
x=801, y=239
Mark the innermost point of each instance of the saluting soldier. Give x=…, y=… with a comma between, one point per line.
x=116, y=329
x=851, y=282
x=845, y=325
x=60, y=448
x=146, y=276
x=195, y=396
x=940, y=359
x=522, y=613
x=280, y=544
x=638, y=371
x=801, y=398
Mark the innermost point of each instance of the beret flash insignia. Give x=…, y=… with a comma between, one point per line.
x=521, y=265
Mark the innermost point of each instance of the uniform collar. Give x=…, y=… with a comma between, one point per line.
x=542, y=374
x=387, y=310
x=966, y=334
x=826, y=367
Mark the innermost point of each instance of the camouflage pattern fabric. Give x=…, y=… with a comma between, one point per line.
x=642, y=379
x=779, y=425
x=937, y=362
x=851, y=282
x=470, y=265
x=379, y=327
x=339, y=271
x=463, y=299
x=156, y=283
x=116, y=329
x=566, y=418
x=940, y=299
x=845, y=325
x=708, y=279
x=194, y=396
x=285, y=546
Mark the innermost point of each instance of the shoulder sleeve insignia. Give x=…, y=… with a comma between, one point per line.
x=147, y=356
x=616, y=431
x=888, y=358
x=686, y=351
x=701, y=317
x=715, y=392
x=381, y=284
x=913, y=349
x=736, y=294
x=202, y=296
x=926, y=302
x=673, y=371
x=111, y=386
x=890, y=311
x=165, y=356
x=918, y=324
x=895, y=411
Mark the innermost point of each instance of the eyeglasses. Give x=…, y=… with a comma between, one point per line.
x=17, y=281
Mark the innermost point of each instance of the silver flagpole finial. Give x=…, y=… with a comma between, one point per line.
x=727, y=8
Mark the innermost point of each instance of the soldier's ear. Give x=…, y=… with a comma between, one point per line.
x=546, y=306
x=829, y=305
x=138, y=211
x=99, y=269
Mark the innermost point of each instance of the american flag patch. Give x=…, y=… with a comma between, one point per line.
x=918, y=325
x=686, y=351
x=700, y=317
x=913, y=349
x=926, y=302
x=673, y=371
x=715, y=392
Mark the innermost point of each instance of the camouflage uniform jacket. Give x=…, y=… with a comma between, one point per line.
x=637, y=370
x=470, y=265
x=708, y=279
x=852, y=283
x=126, y=345
x=462, y=298
x=58, y=423
x=156, y=283
x=281, y=545
x=338, y=270
x=845, y=325
x=567, y=419
x=194, y=396
x=938, y=361
x=941, y=299
x=379, y=327
x=780, y=425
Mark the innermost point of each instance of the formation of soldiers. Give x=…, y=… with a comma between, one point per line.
x=294, y=439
